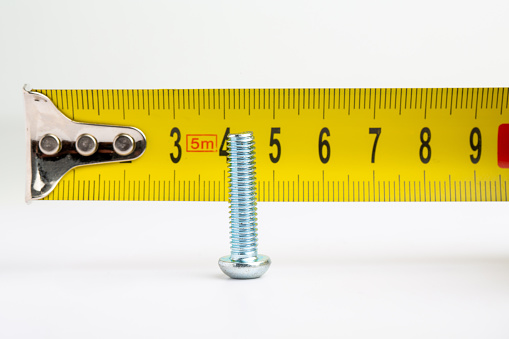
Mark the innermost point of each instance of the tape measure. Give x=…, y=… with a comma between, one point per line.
x=413, y=144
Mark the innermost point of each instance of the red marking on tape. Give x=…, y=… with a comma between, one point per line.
x=201, y=143
x=503, y=146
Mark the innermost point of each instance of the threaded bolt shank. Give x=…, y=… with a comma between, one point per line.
x=242, y=197
x=244, y=261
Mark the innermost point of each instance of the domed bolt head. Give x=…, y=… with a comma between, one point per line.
x=244, y=270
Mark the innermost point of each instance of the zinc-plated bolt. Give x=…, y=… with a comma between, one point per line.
x=244, y=262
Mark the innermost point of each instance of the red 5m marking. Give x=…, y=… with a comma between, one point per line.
x=201, y=142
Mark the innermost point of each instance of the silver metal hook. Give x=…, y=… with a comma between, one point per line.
x=53, y=148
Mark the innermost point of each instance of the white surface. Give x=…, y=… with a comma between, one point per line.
x=148, y=270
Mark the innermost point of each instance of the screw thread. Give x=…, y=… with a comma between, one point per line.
x=242, y=197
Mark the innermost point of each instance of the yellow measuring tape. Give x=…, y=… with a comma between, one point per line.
x=415, y=144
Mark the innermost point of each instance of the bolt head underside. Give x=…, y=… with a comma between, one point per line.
x=244, y=270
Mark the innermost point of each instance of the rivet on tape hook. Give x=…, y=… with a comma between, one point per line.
x=56, y=144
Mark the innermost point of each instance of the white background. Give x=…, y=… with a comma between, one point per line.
x=148, y=270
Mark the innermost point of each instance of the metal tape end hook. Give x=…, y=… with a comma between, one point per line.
x=57, y=144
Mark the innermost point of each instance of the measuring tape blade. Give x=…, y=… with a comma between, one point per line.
x=390, y=144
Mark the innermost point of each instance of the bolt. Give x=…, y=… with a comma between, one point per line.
x=244, y=261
